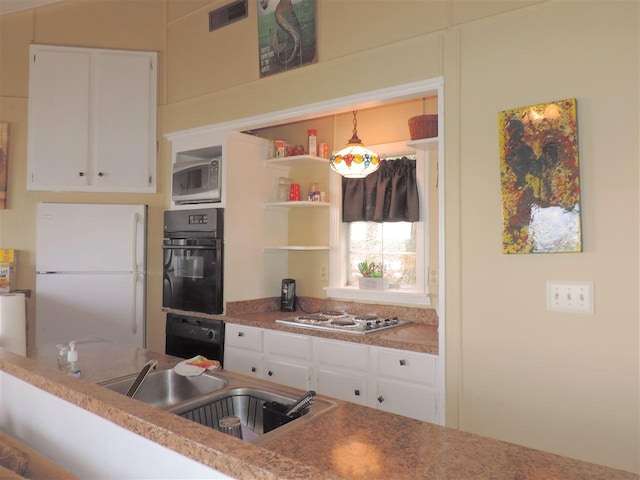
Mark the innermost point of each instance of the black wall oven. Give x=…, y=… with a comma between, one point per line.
x=193, y=254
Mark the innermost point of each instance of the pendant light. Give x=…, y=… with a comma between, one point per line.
x=355, y=161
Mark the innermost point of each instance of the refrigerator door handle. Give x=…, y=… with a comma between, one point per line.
x=134, y=243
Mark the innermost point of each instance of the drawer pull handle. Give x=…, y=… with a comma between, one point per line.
x=403, y=362
x=253, y=369
x=357, y=392
x=81, y=174
x=270, y=373
x=241, y=334
x=380, y=399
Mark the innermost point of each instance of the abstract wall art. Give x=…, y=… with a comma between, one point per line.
x=540, y=181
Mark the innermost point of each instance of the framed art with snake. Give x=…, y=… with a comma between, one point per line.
x=286, y=35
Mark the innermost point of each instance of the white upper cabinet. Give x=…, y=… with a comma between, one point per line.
x=92, y=120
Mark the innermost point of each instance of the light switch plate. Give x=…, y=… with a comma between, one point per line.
x=570, y=297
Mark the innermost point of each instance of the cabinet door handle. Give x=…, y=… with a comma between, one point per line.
x=241, y=334
x=270, y=373
x=253, y=369
x=81, y=174
x=380, y=399
x=100, y=174
x=357, y=393
x=403, y=362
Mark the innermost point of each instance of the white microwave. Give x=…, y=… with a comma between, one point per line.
x=197, y=181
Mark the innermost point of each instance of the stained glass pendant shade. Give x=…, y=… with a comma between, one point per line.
x=355, y=161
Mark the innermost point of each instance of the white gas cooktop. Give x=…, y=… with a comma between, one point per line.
x=342, y=322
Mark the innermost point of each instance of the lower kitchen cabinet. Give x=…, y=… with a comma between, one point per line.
x=396, y=381
x=290, y=374
x=352, y=388
x=243, y=350
x=343, y=370
x=406, y=383
x=244, y=362
x=288, y=358
x=405, y=399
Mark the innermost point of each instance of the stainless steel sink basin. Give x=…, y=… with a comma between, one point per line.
x=165, y=388
x=261, y=411
x=207, y=398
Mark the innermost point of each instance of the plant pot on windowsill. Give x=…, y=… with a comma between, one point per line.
x=373, y=283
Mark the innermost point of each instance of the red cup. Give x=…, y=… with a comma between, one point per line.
x=294, y=192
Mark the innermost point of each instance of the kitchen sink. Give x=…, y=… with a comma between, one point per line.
x=165, y=388
x=261, y=412
x=207, y=398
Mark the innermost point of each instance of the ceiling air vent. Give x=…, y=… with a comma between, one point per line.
x=228, y=14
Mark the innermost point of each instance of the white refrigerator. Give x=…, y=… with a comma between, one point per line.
x=90, y=272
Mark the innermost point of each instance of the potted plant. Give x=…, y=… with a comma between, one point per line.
x=372, y=278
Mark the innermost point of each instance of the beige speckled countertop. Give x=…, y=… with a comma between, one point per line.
x=419, y=336
x=350, y=441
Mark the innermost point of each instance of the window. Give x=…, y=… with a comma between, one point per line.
x=391, y=246
x=399, y=249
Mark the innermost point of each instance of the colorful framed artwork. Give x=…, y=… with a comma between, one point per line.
x=4, y=163
x=286, y=35
x=540, y=181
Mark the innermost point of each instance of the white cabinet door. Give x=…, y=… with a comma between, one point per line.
x=123, y=115
x=92, y=120
x=406, y=383
x=59, y=100
x=243, y=350
x=352, y=388
x=408, y=400
x=288, y=358
x=290, y=374
x=244, y=362
x=343, y=370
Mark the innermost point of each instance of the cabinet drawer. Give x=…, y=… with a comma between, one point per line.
x=240, y=336
x=351, y=356
x=401, y=365
x=288, y=345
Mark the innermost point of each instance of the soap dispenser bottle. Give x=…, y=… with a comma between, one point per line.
x=63, y=353
x=73, y=368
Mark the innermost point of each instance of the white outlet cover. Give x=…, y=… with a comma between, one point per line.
x=570, y=297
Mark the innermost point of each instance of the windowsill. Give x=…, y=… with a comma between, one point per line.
x=391, y=296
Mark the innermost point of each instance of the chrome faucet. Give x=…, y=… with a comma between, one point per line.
x=133, y=389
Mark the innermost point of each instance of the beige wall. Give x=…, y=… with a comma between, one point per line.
x=558, y=382
x=561, y=382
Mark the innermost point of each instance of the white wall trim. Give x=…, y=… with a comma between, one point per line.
x=328, y=107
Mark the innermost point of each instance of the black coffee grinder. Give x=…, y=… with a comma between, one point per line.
x=288, y=295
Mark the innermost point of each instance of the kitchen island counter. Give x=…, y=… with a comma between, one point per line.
x=350, y=441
